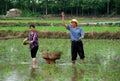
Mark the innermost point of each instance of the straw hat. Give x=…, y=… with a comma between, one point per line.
x=74, y=20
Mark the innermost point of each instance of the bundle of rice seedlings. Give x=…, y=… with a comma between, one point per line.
x=51, y=55
x=25, y=41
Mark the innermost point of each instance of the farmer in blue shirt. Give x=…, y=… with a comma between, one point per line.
x=76, y=35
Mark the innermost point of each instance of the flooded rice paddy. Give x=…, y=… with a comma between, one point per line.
x=102, y=61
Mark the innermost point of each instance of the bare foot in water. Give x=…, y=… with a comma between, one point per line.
x=83, y=61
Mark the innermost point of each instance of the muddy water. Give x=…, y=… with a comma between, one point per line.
x=57, y=72
x=102, y=62
x=43, y=72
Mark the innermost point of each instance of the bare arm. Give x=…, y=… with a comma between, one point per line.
x=63, y=20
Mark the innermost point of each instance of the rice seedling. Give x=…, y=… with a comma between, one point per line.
x=102, y=61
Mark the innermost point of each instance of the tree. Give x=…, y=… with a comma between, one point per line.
x=73, y=7
x=117, y=6
x=108, y=6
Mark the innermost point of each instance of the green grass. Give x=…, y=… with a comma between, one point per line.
x=62, y=29
x=102, y=61
x=59, y=20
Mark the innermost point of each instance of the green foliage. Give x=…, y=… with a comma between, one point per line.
x=78, y=7
x=93, y=4
x=26, y=13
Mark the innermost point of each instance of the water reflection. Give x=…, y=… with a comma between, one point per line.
x=13, y=74
x=33, y=73
x=75, y=74
x=50, y=72
x=78, y=73
x=45, y=73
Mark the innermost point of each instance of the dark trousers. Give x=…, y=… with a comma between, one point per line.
x=34, y=51
x=77, y=48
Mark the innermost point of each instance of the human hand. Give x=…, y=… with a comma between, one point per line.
x=81, y=37
x=25, y=41
x=31, y=42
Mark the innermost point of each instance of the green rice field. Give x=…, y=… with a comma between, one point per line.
x=102, y=61
x=55, y=20
x=62, y=29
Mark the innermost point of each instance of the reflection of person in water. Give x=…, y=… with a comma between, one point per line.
x=33, y=73
x=76, y=74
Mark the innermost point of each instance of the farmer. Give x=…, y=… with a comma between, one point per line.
x=33, y=40
x=76, y=35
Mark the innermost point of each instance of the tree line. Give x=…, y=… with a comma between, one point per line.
x=71, y=7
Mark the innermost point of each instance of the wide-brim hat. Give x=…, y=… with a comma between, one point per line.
x=74, y=20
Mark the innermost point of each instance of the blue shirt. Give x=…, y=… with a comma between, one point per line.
x=75, y=34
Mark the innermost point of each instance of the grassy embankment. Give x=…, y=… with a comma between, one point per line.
x=22, y=25
x=110, y=31
x=62, y=29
